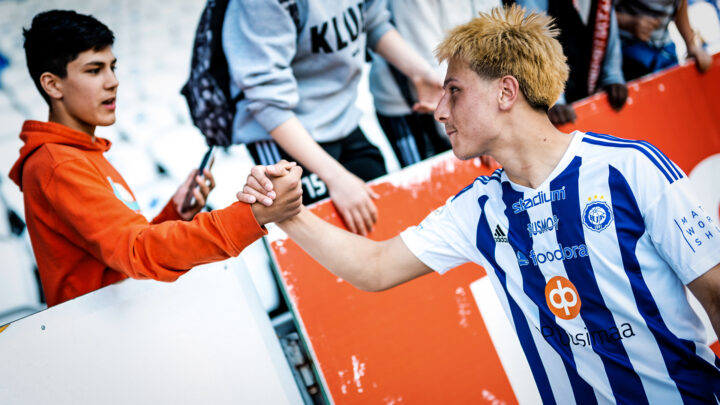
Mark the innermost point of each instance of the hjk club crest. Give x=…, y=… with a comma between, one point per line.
x=597, y=215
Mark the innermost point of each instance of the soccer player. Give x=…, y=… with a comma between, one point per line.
x=589, y=240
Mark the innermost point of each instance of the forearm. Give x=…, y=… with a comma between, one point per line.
x=296, y=140
x=706, y=289
x=166, y=250
x=714, y=315
x=168, y=213
x=682, y=22
x=351, y=257
x=393, y=48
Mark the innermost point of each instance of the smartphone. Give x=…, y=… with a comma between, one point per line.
x=189, y=197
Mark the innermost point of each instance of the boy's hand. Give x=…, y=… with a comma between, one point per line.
x=200, y=189
x=288, y=196
x=259, y=186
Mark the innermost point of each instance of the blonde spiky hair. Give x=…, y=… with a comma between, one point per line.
x=510, y=41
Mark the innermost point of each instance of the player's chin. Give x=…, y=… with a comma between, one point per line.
x=462, y=155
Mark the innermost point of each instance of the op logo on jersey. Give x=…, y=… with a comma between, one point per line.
x=597, y=215
x=562, y=298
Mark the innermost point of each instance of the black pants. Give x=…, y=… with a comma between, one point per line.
x=413, y=137
x=354, y=152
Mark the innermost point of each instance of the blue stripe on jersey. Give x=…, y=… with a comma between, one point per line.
x=482, y=179
x=696, y=379
x=486, y=246
x=468, y=187
x=669, y=165
x=624, y=381
x=534, y=286
x=669, y=176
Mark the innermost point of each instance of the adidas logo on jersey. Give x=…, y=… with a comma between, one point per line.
x=499, y=235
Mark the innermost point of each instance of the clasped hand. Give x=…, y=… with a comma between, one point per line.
x=274, y=191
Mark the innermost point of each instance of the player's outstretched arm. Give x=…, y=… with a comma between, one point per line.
x=366, y=264
x=706, y=289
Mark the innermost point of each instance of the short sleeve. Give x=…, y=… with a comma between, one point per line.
x=439, y=241
x=683, y=232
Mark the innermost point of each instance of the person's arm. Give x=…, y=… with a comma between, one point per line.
x=612, y=78
x=639, y=26
x=366, y=264
x=350, y=195
x=91, y=216
x=703, y=60
x=260, y=41
x=394, y=49
x=706, y=289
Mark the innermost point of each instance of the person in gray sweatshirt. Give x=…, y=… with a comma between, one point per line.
x=299, y=80
x=423, y=24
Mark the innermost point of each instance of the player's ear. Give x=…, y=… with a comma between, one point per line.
x=52, y=85
x=509, y=92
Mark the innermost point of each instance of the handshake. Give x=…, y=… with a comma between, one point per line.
x=274, y=191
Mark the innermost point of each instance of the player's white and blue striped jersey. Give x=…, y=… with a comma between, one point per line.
x=590, y=268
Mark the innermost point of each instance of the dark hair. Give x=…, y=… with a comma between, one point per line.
x=57, y=37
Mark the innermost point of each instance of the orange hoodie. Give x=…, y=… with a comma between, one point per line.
x=85, y=226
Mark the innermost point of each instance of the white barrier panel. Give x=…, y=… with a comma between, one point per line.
x=204, y=339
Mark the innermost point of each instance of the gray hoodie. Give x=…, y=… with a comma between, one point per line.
x=312, y=73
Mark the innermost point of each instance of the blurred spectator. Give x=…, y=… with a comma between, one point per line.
x=590, y=40
x=423, y=24
x=646, y=43
x=299, y=80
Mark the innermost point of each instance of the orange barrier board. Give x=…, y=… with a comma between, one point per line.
x=426, y=341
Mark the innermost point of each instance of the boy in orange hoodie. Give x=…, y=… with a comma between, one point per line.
x=84, y=223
